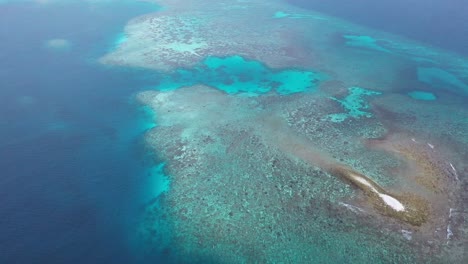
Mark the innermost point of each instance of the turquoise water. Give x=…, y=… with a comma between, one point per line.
x=235, y=74
x=354, y=104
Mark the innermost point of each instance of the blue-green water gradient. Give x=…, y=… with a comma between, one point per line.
x=72, y=163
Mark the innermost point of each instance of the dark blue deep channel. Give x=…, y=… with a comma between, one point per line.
x=72, y=165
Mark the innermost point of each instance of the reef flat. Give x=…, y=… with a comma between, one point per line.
x=292, y=137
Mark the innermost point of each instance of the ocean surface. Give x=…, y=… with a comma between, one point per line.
x=433, y=22
x=75, y=174
x=72, y=163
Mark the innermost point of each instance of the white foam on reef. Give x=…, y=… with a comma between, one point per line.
x=454, y=171
x=407, y=234
x=449, y=227
x=352, y=208
x=392, y=202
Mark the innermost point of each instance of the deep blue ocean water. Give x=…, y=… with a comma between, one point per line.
x=72, y=164
x=441, y=23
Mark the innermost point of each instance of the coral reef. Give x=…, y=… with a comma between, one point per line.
x=276, y=154
x=247, y=186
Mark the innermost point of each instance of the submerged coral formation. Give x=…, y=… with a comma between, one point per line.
x=235, y=160
x=424, y=96
x=441, y=78
x=365, y=42
x=353, y=104
x=263, y=170
x=237, y=181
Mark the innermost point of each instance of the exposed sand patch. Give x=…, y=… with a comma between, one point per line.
x=392, y=202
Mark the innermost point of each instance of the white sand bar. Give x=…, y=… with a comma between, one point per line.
x=392, y=202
